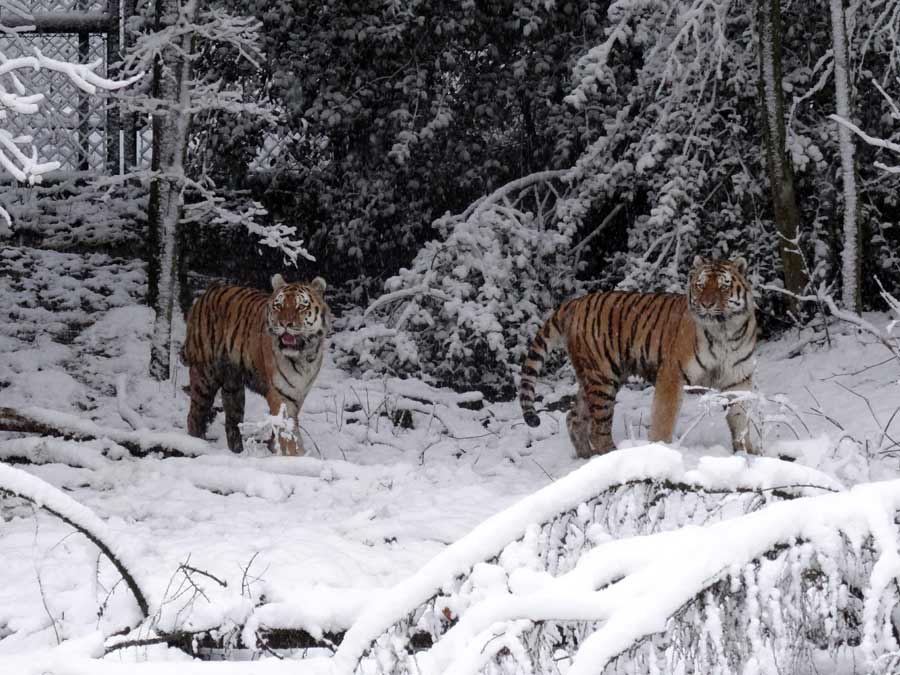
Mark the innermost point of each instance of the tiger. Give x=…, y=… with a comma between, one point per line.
x=706, y=337
x=272, y=344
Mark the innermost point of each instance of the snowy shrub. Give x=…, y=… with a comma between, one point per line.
x=465, y=311
x=79, y=214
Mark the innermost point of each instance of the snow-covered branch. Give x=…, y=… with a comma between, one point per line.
x=43, y=495
x=402, y=294
x=822, y=297
x=520, y=549
x=32, y=420
x=82, y=75
x=514, y=186
x=872, y=140
x=278, y=236
x=627, y=592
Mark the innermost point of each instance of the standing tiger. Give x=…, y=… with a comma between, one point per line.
x=271, y=343
x=705, y=338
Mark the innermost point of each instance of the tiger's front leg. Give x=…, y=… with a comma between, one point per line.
x=738, y=421
x=667, y=398
x=286, y=442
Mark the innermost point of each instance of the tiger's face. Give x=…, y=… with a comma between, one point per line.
x=297, y=316
x=718, y=289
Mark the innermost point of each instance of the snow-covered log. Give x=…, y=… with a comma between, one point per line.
x=141, y=442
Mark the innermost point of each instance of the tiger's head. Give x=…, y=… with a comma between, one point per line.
x=297, y=316
x=718, y=290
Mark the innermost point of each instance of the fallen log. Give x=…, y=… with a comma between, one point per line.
x=139, y=443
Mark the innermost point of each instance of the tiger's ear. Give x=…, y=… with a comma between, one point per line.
x=319, y=284
x=699, y=261
x=741, y=264
x=277, y=282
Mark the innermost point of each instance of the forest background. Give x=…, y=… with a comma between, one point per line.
x=597, y=145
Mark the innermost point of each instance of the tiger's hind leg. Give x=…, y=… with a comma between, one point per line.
x=204, y=383
x=590, y=420
x=578, y=422
x=600, y=397
x=233, y=403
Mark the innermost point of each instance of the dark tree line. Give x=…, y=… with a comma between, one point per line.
x=701, y=131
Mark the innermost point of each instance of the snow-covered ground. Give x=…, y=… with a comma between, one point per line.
x=397, y=470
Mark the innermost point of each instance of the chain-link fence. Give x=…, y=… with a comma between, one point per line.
x=79, y=131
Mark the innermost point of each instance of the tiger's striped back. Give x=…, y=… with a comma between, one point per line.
x=617, y=333
x=224, y=327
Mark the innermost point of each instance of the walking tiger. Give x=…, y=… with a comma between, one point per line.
x=706, y=337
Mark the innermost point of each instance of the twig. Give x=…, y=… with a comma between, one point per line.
x=858, y=372
x=546, y=473
x=191, y=568
x=884, y=433
x=245, y=585
x=576, y=250
x=40, y=583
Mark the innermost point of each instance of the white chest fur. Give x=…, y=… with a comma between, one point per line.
x=724, y=354
x=294, y=378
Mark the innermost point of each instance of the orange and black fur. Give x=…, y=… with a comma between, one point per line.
x=704, y=338
x=271, y=343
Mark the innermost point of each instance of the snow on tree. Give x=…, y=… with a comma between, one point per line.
x=176, y=33
x=450, y=314
x=892, y=302
x=779, y=168
x=850, y=269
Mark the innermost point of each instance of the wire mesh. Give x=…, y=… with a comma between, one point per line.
x=70, y=126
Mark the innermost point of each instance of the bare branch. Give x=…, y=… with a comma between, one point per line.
x=43, y=495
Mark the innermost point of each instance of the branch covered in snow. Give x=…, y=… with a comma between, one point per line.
x=139, y=443
x=822, y=297
x=22, y=484
x=789, y=570
x=278, y=236
x=531, y=541
x=871, y=140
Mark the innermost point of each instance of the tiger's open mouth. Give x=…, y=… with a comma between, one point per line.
x=288, y=341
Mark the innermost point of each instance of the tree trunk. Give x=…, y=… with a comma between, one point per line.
x=850, y=292
x=171, y=128
x=779, y=168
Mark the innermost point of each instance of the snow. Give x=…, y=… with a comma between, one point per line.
x=380, y=519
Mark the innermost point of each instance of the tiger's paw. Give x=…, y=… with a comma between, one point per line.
x=289, y=447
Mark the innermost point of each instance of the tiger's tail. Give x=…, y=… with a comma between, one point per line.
x=547, y=338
